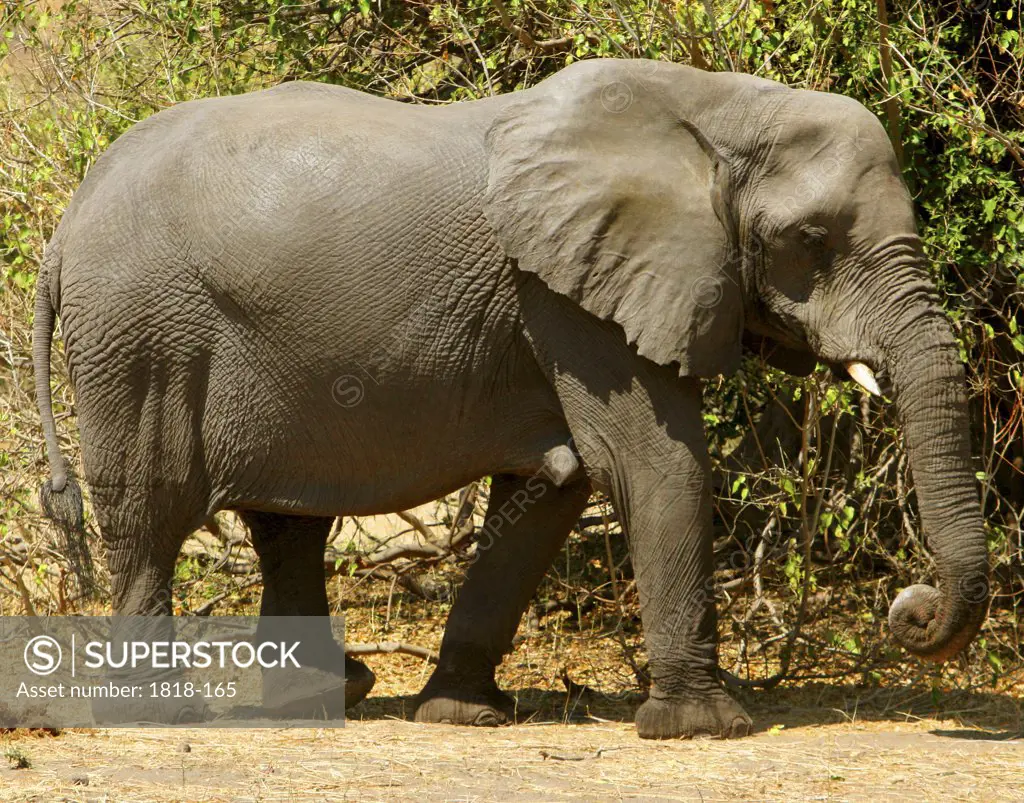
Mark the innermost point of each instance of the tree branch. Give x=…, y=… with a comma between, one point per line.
x=892, y=111
x=524, y=36
x=391, y=647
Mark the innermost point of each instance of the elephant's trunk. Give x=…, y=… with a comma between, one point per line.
x=929, y=387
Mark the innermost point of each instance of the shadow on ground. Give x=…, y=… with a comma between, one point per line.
x=972, y=715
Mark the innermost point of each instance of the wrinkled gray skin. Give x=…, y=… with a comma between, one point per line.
x=309, y=302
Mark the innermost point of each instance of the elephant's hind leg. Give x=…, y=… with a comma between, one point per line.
x=143, y=529
x=291, y=553
x=528, y=519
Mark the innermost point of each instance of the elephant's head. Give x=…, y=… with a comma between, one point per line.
x=703, y=211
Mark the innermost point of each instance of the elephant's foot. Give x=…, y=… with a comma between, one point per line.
x=450, y=698
x=151, y=711
x=713, y=714
x=311, y=693
x=359, y=679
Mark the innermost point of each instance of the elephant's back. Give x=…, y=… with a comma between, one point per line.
x=217, y=162
x=301, y=191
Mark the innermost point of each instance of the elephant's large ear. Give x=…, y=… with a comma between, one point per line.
x=603, y=190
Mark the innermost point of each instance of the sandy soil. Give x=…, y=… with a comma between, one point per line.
x=810, y=744
x=393, y=760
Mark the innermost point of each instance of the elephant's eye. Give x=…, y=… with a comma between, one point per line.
x=815, y=240
x=814, y=237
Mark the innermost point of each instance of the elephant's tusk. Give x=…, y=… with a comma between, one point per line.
x=864, y=377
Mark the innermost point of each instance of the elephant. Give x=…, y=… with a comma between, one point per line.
x=306, y=302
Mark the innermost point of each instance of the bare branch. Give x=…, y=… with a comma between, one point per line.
x=391, y=647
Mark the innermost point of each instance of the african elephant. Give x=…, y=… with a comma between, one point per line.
x=307, y=302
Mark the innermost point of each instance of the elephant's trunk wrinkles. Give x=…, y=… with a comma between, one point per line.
x=928, y=382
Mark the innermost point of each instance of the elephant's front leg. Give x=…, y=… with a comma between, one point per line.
x=639, y=430
x=661, y=488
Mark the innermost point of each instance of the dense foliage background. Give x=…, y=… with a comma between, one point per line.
x=944, y=78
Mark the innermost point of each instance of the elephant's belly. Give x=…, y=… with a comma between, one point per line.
x=371, y=446
x=367, y=395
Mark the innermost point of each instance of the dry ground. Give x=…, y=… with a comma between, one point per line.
x=813, y=742
x=386, y=759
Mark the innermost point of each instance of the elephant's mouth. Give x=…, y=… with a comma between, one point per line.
x=780, y=353
x=799, y=359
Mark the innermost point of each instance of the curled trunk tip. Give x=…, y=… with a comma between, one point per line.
x=924, y=622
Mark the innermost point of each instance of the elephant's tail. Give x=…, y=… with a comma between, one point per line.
x=60, y=497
